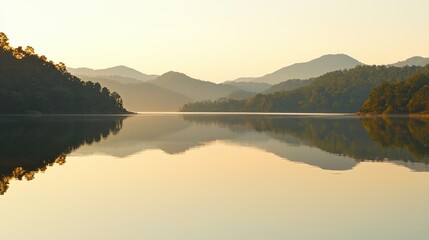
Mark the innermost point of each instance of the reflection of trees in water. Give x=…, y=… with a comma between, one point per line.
x=362, y=139
x=409, y=133
x=30, y=145
x=21, y=173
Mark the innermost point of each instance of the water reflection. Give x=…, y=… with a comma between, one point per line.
x=409, y=133
x=213, y=181
x=29, y=145
x=400, y=139
x=333, y=143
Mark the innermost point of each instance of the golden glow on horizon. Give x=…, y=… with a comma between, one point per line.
x=216, y=40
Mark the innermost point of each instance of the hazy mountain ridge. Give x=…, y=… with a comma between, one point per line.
x=113, y=78
x=142, y=96
x=292, y=84
x=288, y=85
x=254, y=87
x=306, y=70
x=413, y=61
x=121, y=70
x=172, y=90
x=193, y=88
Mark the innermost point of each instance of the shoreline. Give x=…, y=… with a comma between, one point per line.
x=71, y=115
x=359, y=115
x=413, y=115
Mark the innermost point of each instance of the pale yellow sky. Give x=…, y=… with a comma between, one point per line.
x=216, y=40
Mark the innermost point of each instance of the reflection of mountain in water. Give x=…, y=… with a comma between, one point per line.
x=377, y=139
x=170, y=133
x=29, y=145
x=336, y=143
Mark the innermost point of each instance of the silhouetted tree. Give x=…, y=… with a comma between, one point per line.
x=30, y=83
x=4, y=41
x=29, y=50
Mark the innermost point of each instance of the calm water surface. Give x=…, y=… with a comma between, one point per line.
x=170, y=176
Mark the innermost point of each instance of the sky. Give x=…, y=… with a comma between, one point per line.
x=216, y=40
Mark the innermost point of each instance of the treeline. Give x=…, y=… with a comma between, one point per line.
x=339, y=91
x=29, y=83
x=409, y=97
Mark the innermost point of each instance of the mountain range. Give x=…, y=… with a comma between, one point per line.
x=141, y=96
x=413, y=61
x=169, y=91
x=306, y=70
x=122, y=71
x=193, y=88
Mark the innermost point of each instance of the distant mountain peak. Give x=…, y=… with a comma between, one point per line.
x=335, y=57
x=120, y=67
x=123, y=68
x=120, y=70
x=412, y=61
x=305, y=70
x=415, y=58
x=194, y=88
x=174, y=74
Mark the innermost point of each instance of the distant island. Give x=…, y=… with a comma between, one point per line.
x=30, y=84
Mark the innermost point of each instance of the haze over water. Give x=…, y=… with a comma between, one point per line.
x=214, y=177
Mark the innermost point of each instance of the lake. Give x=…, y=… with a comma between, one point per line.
x=214, y=176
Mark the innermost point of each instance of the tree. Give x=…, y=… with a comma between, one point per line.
x=18, y=52
x=420, y=101
x=4, y=41
x=61, y=67
x=117, y=98
x=29, y=50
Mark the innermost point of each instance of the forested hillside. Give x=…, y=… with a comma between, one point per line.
x=411, y=96
x=339, y=91
x=288, y=85
x=29, y=83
